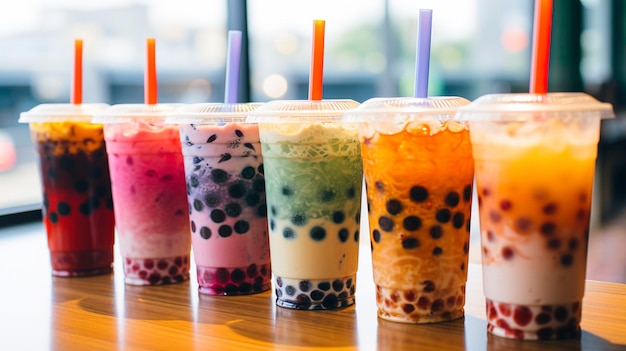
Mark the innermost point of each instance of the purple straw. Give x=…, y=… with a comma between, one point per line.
x=232, y=66
x=422, y=60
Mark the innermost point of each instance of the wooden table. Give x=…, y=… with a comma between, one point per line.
x=41, y=312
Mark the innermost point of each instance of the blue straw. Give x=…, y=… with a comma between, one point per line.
x=232, y=67
x=422, y=60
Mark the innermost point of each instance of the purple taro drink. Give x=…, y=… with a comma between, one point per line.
x=148, y=183
x=226, y=195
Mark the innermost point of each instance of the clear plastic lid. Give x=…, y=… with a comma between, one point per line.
x=405, y=109
x=62, y=113
x=524, y=106
x=212, y=113
x=126, y=113
x=301, y=111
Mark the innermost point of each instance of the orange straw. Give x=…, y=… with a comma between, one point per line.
x=317, y=61
x=77, y=83
x=150, y=78
x=541, y=47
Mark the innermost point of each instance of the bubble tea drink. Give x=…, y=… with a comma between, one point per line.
x=78, y=209
x=418, y=173
x=226, y=195
x=535, y=159
x=313, y=175
x=148, y=183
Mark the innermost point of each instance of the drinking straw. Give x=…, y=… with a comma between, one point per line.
x=317, y=61
x=76, y=95
x=542, y=27
x=150, y=79
x=232, y=66
x=422, y=56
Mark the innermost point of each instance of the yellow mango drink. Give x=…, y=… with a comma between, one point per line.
x=535, y=160
x=418, y=171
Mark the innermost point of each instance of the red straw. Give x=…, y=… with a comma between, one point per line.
x=541, y=47
x=150, y=78
x=317, y=61
x=77, y=83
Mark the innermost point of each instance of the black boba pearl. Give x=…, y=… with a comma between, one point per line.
x=304, y=285
x=225, y=157
x=218, y=216
x=245, y=288
x=109, y=202
x=418, y=193
x=287, y=191
x=385, y=223
x=274, y=210
x=458, y=220
x=94, y=202
x=239, y=133
x=64, y=208
x=338, y=217
x=376, y=235
x=197, y=204
x=288, y=233
x=298, y=219
x=46, y=202
x=248, y=172
x=338, y=285
x=343, y=235
x=412, y=223
x=436, y=232
x=261, y=169
x=225, y=231
x=467, y=193
x=81, y=186
x=410, y=243
x=252, y=198
x=304, y=301
x=290, y=290
x=452, y=199
x=356, y=236
x=194, y=181
x=437, y=251
x=272, y=224
x=327, y=195
x=249, y=146
x=211, y=138
x=242, y=227
x=380, y=185
x=443, y=215
x=317, y=233
x=330, y=301
x=230, y=289
x=212, y=199
x=324, y=286
x=261, y=211
x=393, y=206
x=193, y=226
x=279, y=293
x=317, y=295
x=233, y=209
x=357, y=217
x=349, y=283
x=237, y=275
x=85, y=209
x=259, y=185
x=237, y=190
x=54, y=218
x=219, y=176
x=351, y=193
x=197, y=160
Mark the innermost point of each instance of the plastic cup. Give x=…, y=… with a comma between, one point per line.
x=418, y=174
x=226, y=197
x=77, y=206
x=535, y=160
x=313, y=177
x=148, y=184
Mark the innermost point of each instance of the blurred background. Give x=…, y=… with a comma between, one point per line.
x=478, y=47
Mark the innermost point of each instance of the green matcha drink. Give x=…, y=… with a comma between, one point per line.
x=313, y=175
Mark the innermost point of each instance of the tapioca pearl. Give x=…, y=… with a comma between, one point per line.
x=545, y=333
x=233, y=209
x=225, y=157
x=547, y=228
x=393, y=207
x=272, y=224
x=495, y=216
x=237, y=190
x=581, y=214
x=351, y=193
x=349, y=283
x=385, y=223
x=357, y=217
x=237, y=276
x=64, y=208
x=436, y=232
x=225, y=231
x=376, y=235
x=241, y=227
x=289, y=233
x=252, y=270
x=324, y=286
x=230, y=289
x=317, y=233
x=412, y=223
x=326, y=195
x=466, y=248
x=338, y=217
x=305, y=285
x=408, y=308
x=303, y=300
x=194, y=182
x=508, y=253
x=222, y=276
x=330, y=301
x=522, y=315
x=343, y=235
x=53, y=217
x=369, y=205
x=197, y=205
x=505, y=205
x=299, y=219
x=554, y=244
x=218, y=216
x=490, y=236
x=423, y=303
x=109, y=202
x=429, y=286
x=248, y=172
x=84, y=208
x=317, y=295
x=410, y=243
x=261, y=211
x=443, y=215
x=467, y=193
x=418, y=193
x=561, y=314
x=409, y=295
x=154, y=278
x=523, y=224
x=437, y=305
x=567, y=260
x=279, y=293
x=173, y=270
x=356, y=236
x=458, y=220
x=452, y=199
x=380, y=186
x=569, y=330
x=81, y=186
x=549, y=208
x=450, y=301
x=219, y=176
x=252, y=198
x=338, y=285
x=162, y=264
x=178, y=261
x=286, y=191
x=238, y=133
x=437, y=251
x=543, y=318
x=572, y=244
